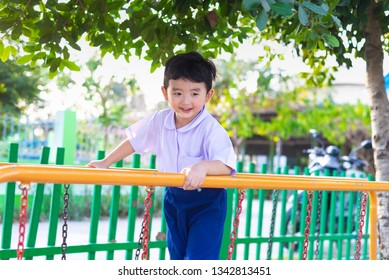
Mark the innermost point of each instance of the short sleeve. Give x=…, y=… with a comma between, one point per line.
x=143, y=134
x=221, y=148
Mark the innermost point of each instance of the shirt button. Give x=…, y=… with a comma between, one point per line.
x=199, y=189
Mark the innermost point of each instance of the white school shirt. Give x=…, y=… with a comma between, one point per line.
x=202, y=139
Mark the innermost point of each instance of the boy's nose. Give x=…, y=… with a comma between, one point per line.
x=185, y=98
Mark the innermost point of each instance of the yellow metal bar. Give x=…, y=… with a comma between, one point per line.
x=84, y=175
x=26, y=174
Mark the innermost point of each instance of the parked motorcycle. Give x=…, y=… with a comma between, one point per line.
x=326, y=160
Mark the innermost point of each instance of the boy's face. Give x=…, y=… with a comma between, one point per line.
x=186, y=98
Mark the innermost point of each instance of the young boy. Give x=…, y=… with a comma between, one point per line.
x=186, y=139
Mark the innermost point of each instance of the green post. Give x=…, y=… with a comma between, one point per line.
x=37, y=205
x=114, y=214
x=95, y=213
x=132, y=208
x=9, y=201
x=284, y=198
x=293, y=217
x=152, y=166
x=249, y=206
x=65, y=134
x=261, y=203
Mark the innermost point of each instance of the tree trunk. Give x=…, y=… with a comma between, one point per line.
x=379, y=106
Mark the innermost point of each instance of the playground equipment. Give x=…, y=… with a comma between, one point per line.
x=26, y=174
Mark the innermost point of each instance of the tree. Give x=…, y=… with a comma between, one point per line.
x=245, y=89
x=19, y=87
x=155, y=30
x=110, y=98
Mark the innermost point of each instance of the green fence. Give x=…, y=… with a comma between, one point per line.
x=271, y=225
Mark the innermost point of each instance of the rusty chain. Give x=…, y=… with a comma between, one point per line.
x=22, y=220
x=144, y=235
x=319, y=199
x=362, y=214
x=308, y=224
x=234, y=232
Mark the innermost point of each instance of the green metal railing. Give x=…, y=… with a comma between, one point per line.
x=334, y=239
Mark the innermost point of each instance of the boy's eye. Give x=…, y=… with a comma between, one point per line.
x=176, y=93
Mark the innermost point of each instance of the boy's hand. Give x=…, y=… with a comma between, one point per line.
x=195, y=175
x=101, y=164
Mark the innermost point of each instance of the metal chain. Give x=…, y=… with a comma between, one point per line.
x=235, y=224
x=307, y=226
x=22, y=220
x=319, y=198
x=272, y=223
x=65, y=216
x=145, y=232
x=137, y=252
x=362, y=214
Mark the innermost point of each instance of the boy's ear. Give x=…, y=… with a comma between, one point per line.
x=210, y=93
x=164, y=92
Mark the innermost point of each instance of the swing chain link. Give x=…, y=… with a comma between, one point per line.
x=65, y=216
x=308, y=223
x=144, y=235
x=319, y=199
x=234, y=233
x=22, y=219
x=272, y=224
x=362, y=214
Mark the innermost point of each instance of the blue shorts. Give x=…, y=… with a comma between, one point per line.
x=195, y=222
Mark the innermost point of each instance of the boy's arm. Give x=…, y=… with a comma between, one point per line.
x=123, y=150
x=195, y=174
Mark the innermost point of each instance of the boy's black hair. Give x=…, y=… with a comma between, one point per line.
x=191, y=66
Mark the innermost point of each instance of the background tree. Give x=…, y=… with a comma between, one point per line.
x=155, y=30
x=19, y=87
x=247, y=89
x=110, y=97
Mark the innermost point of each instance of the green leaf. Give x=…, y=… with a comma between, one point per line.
x=74, y=45
x=16, y=32
x=325, y=6
x=250, y=4
x=311, y=44
x=52, y=74
x=314, y=8
x=40, y=55
x=54, y=64
x=303, y=17
x=5, y=55
x=337, y=21
x=63, y=7
x=331, y=40
x=313, y=35
x=265, y=5
x=13, y=50
x=32, y=48
x=71, y=65
x=24, y=59
x=283, y=8
x=262, y=20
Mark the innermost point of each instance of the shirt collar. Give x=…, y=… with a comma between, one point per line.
x=170, y=124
